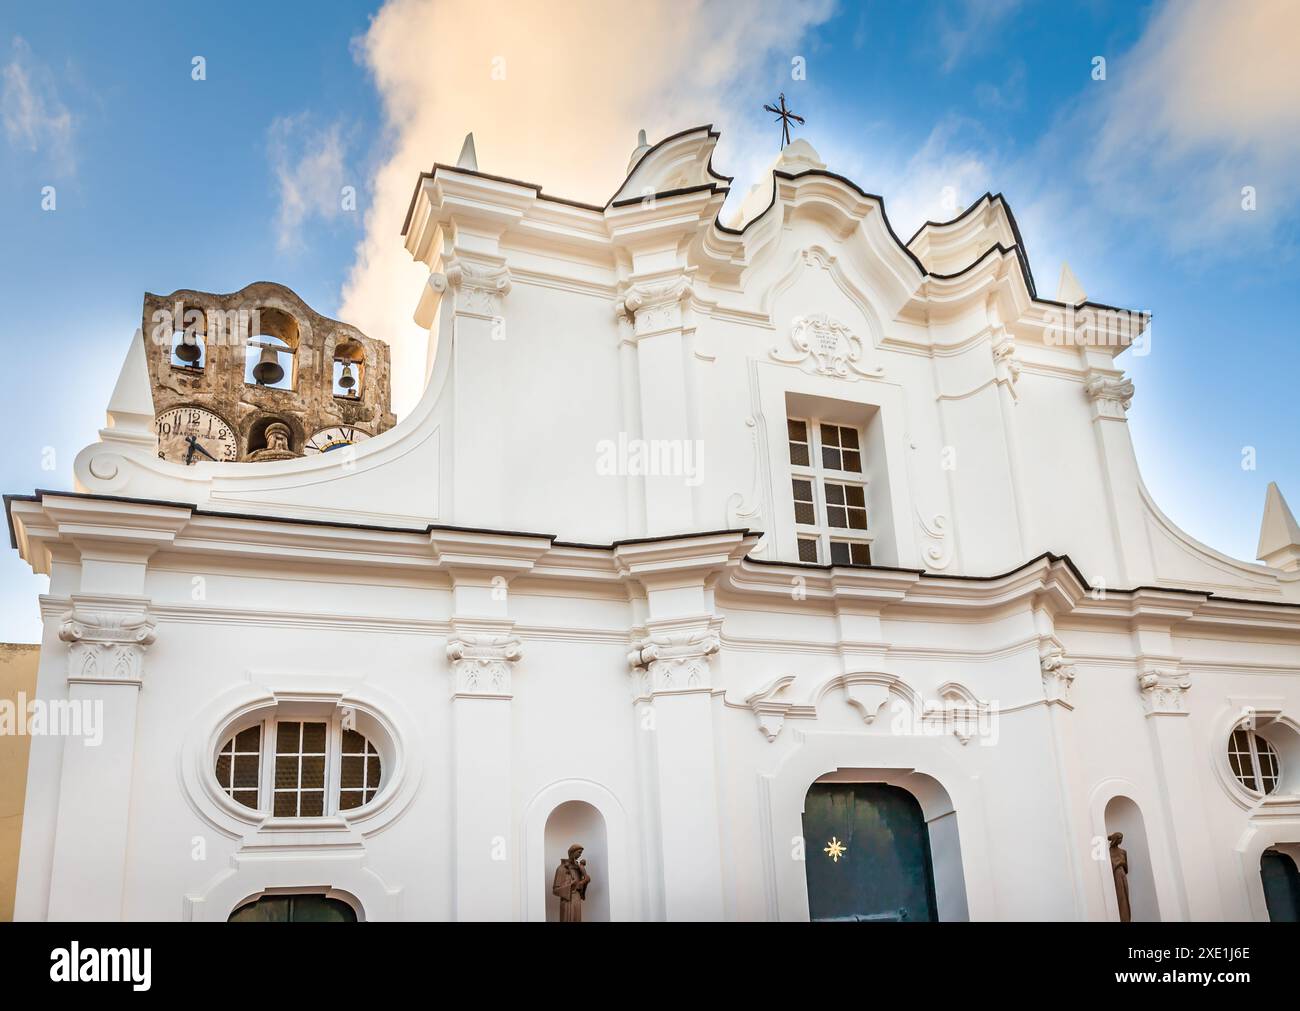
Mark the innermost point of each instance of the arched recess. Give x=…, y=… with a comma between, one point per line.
x=1284, y=837
x=1169, y=901
x=1123, y=815
x=620, y=878
x=344, y=878
x=323, y=905
x=947, y=793
x=1281, y=880
x=576, y=821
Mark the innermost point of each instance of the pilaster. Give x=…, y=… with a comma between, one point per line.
x=107, y=639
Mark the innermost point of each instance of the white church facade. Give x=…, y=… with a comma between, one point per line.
x=791, y=569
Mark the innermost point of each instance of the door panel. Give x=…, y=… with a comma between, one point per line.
x=867, y=854
x=294, y=909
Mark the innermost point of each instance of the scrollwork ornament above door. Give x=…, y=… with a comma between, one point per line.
x=828, y=346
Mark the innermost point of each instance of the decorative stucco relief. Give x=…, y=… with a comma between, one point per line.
x=827, y=347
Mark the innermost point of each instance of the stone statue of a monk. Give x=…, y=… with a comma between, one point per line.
x=1119, y=867
x=571, y=881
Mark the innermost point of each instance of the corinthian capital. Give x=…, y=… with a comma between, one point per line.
x=1058, y=676
x=1164, y=692
x=482, y=663
x=480, y=287
x=107, y=641
x=1110, y=396
x=655, y=305
x=674, y=661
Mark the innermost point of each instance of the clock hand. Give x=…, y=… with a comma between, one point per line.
x=189, y=454
x=204, y=451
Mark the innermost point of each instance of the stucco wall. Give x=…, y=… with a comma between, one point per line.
x=18, y=662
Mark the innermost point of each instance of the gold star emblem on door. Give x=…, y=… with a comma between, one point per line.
x=835, y=849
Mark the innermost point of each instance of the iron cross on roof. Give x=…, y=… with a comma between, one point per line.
x=785, y=116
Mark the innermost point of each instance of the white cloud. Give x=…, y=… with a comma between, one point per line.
x=973, y=29
x=554, y=93
x=34, y=118
x=309, y=166
x=1203, y=105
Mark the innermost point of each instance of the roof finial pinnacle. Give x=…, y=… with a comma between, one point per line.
x=1279, y=534
x=468, y=156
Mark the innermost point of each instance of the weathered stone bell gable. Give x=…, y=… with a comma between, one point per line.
x=226, y=323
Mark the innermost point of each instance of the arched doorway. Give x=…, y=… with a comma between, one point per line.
x=1281, y=886
x=867, y=853
x=310, y=908
x=576, y=821
x=1124, y=816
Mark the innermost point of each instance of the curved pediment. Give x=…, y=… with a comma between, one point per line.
x=680, y=162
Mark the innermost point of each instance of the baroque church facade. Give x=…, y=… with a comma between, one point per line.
x=790, y=569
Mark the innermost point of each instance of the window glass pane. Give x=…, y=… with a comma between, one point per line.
x=804, y=511
x=834, y=494
x=849, y=438
x=246, y=797
x=349, y=799
x=830, y=458
x=313, y=738
x=853, y=461
x=799, y=454
x=286, y=738
x=353, y=743
x=353, y=772
x=840, y=553
x=373, y=772
x=837, y=516
x=313, y=804
x=313, y=772
x=858, y=519
x=249, y=740
x=807, y=549
x=861, y=554
x=830, y=435
x=223, y=771
x=246, y=771
x=854, y=494
x=798, y=430
x=286, y=772
x=286, y=805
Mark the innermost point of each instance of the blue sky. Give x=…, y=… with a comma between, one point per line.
x=162, y=181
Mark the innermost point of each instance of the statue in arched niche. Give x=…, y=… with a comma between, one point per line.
x=1119, y=868
x=570, y=886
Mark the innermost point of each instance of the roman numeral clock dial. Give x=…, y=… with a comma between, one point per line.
x=188, y=435
x=328, y=439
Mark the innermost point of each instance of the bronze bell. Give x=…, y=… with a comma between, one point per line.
x=268, y=370
x=346, y=381
x=188, y=350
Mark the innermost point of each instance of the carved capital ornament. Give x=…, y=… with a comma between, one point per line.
x=482, y=664
x=106, y=645
x=674, y=661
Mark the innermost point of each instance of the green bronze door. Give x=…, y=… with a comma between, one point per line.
x=1281, y=886
x=867, y=854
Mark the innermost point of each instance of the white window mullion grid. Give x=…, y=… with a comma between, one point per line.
x=1254, y=761
x=333, y=767
x=818, y=474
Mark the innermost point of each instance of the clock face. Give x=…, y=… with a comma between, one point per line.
x=332, y=438
x=189, y=435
